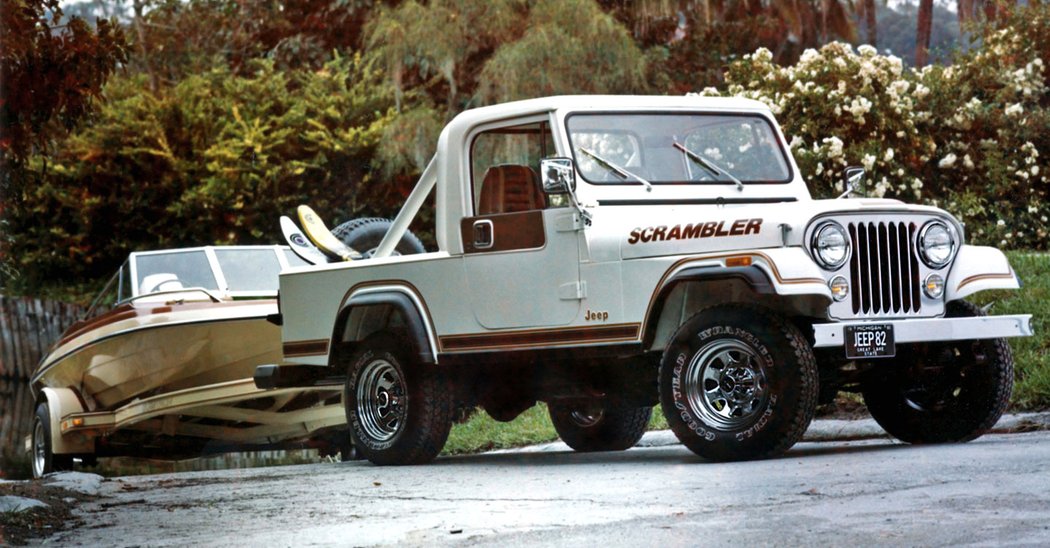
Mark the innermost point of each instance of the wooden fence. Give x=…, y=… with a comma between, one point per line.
x=28, y=327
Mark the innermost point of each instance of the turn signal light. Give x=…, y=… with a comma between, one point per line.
x=839, y=287
x=739, y=261
x=934, y=286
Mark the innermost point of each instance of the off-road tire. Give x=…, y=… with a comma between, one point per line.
x=738, y=382
x=365, y=234
x=613, y=428
x=943, y=392
x=43, y=459
x=383, y=381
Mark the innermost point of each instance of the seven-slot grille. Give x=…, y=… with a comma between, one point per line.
x=884, y=269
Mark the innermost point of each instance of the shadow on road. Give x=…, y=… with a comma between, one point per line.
x=667, y=455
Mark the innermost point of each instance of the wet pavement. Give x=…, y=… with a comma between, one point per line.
x=995, y=490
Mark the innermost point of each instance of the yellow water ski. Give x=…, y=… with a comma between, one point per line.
x=319, y=234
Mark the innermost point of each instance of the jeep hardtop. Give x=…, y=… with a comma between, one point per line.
x=604, y=254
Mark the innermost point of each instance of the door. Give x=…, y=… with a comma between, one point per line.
x=521, y=248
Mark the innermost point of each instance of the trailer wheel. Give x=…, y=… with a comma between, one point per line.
x=738, y=382
x=45, y=460
x=399, y=411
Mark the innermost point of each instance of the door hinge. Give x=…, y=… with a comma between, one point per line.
x=572, y=291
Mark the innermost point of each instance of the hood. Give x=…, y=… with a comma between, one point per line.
x=638, y=231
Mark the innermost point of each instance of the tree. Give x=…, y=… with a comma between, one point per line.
x=215, y=159
x=922, y=36
x=50, y=73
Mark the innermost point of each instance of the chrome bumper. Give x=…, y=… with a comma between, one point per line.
x=933, y=329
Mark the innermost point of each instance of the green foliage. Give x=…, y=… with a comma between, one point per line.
x=215, y=159
x=568, y=47
x=973, y=137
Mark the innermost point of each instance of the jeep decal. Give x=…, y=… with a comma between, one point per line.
x=740, y=227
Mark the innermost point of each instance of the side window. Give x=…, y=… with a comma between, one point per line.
x=505, y=164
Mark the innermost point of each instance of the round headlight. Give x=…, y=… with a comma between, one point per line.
x=936, y=244
x=831, y=246
x=839, y=288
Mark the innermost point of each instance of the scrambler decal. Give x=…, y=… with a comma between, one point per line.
x=739, y=227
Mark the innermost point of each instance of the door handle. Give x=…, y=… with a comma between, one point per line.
x=484, y=237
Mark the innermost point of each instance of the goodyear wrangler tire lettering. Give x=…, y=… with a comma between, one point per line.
x=399, y=411
x=738, y=382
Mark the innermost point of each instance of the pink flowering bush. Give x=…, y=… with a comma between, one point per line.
x=972, y=137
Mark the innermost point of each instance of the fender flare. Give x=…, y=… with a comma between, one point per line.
x=408, y=304
x=62, y=402
x=752, y=276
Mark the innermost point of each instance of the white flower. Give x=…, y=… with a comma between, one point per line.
x=834, y=146
x=796, y=142
x=866, y=50
x=888, y=157
x=1000, y=222
x=1033, y=209
x=1035, y=170
x=868, y=161
x=808, y=56
x=968, y=162
x=1014, y=110
x=947, y=161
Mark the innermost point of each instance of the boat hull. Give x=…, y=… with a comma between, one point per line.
x=144, y=350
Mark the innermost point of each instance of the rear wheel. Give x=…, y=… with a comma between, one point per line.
x=45, y=460
x=599, y=428
x=399, y=411
x=738, y=382
x=943, y=392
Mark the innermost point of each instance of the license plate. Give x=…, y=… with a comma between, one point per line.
x=869, y=341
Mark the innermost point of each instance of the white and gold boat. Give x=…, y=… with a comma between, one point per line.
x=163, y=365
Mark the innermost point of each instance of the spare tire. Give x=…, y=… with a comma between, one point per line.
x=364, y=235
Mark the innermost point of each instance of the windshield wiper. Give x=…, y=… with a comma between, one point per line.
x=615, y=168
x=708, y=165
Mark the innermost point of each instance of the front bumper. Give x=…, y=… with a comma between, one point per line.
x=933, y=329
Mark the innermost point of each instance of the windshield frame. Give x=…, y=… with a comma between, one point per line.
x=781, y=146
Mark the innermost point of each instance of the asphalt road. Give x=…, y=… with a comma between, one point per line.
x=995, y=490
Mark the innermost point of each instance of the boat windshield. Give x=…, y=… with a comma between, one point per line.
x=238, y=271
x=677, y=148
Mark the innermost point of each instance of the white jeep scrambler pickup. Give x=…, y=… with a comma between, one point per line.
x=605, y=254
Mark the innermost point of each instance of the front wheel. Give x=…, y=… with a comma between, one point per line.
x=399, y=411
x=596, y=427
x=45, y=460
x=738, y=382
x=943, y=392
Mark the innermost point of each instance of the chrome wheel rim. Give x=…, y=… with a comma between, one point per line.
x=725, y=384
x=587, y=417
x=381, y=402
x=39, y=448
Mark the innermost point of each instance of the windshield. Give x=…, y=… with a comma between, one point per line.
x=676, y=148
x=243, y=271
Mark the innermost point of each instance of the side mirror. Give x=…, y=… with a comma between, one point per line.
x=558, y=175
x=853, y=176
